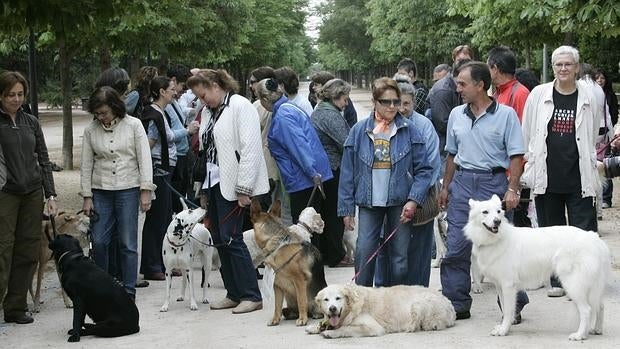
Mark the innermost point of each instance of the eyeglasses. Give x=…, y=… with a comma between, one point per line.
x=389, y=102
x=100, y=114
x=563, y=65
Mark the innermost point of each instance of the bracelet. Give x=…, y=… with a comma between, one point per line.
x=517, y=193
x=52, y=198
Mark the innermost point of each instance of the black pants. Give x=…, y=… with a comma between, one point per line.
x=520, y=212
x=155, y=225
x=551, y=208
x=180, y=182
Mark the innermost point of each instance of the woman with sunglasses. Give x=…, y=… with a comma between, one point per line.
x=385, y=171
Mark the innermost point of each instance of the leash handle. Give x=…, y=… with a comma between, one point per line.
x=320, y=188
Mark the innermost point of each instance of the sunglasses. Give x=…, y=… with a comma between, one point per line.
x=389, y=102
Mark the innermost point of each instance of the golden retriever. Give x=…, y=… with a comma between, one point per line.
x=357, y=311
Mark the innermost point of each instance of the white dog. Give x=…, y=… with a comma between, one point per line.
x=310, y=222
x=185, y=239
x=357, y=311
x=517, y=258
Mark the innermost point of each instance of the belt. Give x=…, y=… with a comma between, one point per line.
x=494, y=170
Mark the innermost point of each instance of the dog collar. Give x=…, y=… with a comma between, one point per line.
x=305, y=226
x=174, y=244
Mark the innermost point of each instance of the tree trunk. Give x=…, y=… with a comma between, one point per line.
x=528, y=57
x=67, y=97
x=358, y=75
x=105, y=58
x=134, y=66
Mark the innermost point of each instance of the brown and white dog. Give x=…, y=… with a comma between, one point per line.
x=74, y=225
x=297, y=265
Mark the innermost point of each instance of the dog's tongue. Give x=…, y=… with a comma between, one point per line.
x=333, y=320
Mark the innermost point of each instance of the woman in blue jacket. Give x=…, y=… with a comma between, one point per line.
x=385, y=171
x=296, y=147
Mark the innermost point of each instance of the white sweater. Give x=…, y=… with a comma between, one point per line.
x=238, y=130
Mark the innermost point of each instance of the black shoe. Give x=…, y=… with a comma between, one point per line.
x=21, y=319
x=517, y=319
x=55, y=167
x=142, y=283
x=463, y=315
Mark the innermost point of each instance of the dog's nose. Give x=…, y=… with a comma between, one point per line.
x=497, y=221
x=332, y=309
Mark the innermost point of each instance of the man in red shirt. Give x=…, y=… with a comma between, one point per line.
x=508, y=90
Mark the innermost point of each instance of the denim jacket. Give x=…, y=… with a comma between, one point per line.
x=410, y=176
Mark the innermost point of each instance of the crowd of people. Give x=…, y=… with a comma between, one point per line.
x=484, y=128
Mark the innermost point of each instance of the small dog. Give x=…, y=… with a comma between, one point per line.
x=515, y=258
x=185, y=239
x=74, y=225
x=310, y=222
x=93, y=292
x=357, y=311
x=297, y=265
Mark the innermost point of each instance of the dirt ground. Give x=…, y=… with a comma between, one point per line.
x=546, y=323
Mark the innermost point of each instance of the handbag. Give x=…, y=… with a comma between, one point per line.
x=199, y=169
x=429, y=208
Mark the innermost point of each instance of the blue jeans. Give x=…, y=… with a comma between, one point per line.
x=420, y=254
x=118, y=218
x=226, y=228
x=455, y=266
x=370, y=224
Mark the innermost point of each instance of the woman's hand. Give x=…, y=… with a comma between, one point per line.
x=243, y=200
x=349, y=222
x=443, y=198
x=408, y=211
x=52, y=207
x=88, y=206
x=204, y=201
x=145, y=200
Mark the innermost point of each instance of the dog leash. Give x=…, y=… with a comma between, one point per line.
x=316, y=186
x=163, y=173
x=239, y=211
x=275, y=271
x=374, y=254
x=602, y=150
x=94, y=217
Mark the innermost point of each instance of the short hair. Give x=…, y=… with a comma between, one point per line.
x=408, y=65
x=158, y=83
x=383, y=84
x=117, y=78
x=178, y=71
x=504, y=59
x=565, y=50
x=442, y=67
x=107, y=95
x=268, y=90
x=263, y=72
x=321, y=77
x=8, y=79
x=527, y=78
x=334, y=89
x=462, y=49
x=209, y=77
x=401, y=78
x=406, y=88
x=479, y=71
x=287, y=77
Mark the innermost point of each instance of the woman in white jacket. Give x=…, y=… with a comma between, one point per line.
x=560, y=127
x=235, y=171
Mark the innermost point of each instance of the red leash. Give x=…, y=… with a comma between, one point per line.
x=372, y=256
x=607, y=145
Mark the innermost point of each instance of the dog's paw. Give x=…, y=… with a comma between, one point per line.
x=477, y=289
x=164, y=308
x=193, y=306
x=180, y=299
x=596, y=331
x=577, y=337
x=313, y=329
x=74, y=338
x=499, y=330
x=330, y=334
x=68, y=305
x=301, y=322
x=273, y=322
x=205, y=301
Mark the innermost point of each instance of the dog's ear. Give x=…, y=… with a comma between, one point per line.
x=472, y=203
x=255, y=210
x=276, y=208
x=496, y=200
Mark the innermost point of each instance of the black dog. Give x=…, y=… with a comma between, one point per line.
x=93, y=292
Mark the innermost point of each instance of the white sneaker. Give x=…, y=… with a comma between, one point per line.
x=556, y=292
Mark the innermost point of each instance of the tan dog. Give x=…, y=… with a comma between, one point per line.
x=297, y=265
x=357, y=311
x=74, y=225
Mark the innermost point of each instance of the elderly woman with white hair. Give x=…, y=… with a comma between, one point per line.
x=295, y=146
x=560, y=127
x=333, y=129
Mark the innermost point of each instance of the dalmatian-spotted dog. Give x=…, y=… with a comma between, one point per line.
x=185, y=239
